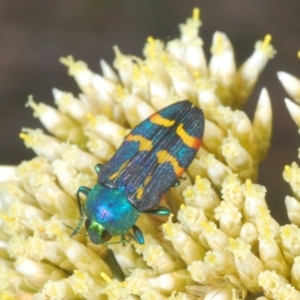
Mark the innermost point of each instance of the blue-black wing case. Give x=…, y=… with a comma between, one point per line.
x=155, y=154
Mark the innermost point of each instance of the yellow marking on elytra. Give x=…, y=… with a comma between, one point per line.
x=189, y=140
x=116, y=174
x=145, y=144
x=139, y=193
x=140, y=190
x=164, y=156
x=161, y=121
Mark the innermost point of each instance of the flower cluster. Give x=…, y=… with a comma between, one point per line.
x=220, y=242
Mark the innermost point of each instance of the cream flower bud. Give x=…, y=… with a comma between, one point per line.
x=271, y=256
x=37, y=273
x=154, y=50
x=82, y=257
x=293, y=209
x=232, y=191
x=189, y=30
x=136, y=110
x=291, y=85
x=222, y=66
x=140, y=80
x=188, y=49
x=100, y=148
x=222, y=294
x=291, y=175
x=213, y=137
x=216, y=239
x=294, y=110
x=129, y=257
x=124, y=64
x=290, y=237
x=151, y=294
x=54, y=290
x=59, y=124
x=38, y=249
x=269, y=251
x=229, y=218
x=108, y=72
x=42, y=144
x=221, y=261
x=186, y=247
x=79, y=70
x=74, y=107
x=223, y=117
x=140, y=280
x=157, y=257
x=52, y=198
x=105, y=90
x=160, y=95
x=286, y=292
x=270, y=282
x=247, y=264
x=7, y=194
x=202, y=195
x=262, y=125
x=249, y=235
x=250, y=70
x=238, y=158
x=182, y=82
x=86, y=286
x=220, y=288
x=190, y=218
x=18, y=218
x=36, y=166
x=81, y=160
x=242, y=129
x=295, y=273
x=213, y=169
x=69, y=178
x=207, y=98
x=202, y=272
x=254, y=200
x=107, y=130
x=11, y=280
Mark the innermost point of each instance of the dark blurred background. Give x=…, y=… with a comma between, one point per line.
x=35, y=34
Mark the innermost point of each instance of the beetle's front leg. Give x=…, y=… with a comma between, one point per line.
x=84, y=190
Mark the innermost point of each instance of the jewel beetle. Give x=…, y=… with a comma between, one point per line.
x=150, y=160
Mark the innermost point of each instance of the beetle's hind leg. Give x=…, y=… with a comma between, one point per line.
x=159, y=211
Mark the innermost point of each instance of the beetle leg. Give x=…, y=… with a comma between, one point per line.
x=138, y=235
x=176, y=183
x=84, y=190
x=98, y=168
x=159, y=210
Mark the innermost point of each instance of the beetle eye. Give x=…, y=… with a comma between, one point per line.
x=106, y=236
x=97, y=234
x=87, y=223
